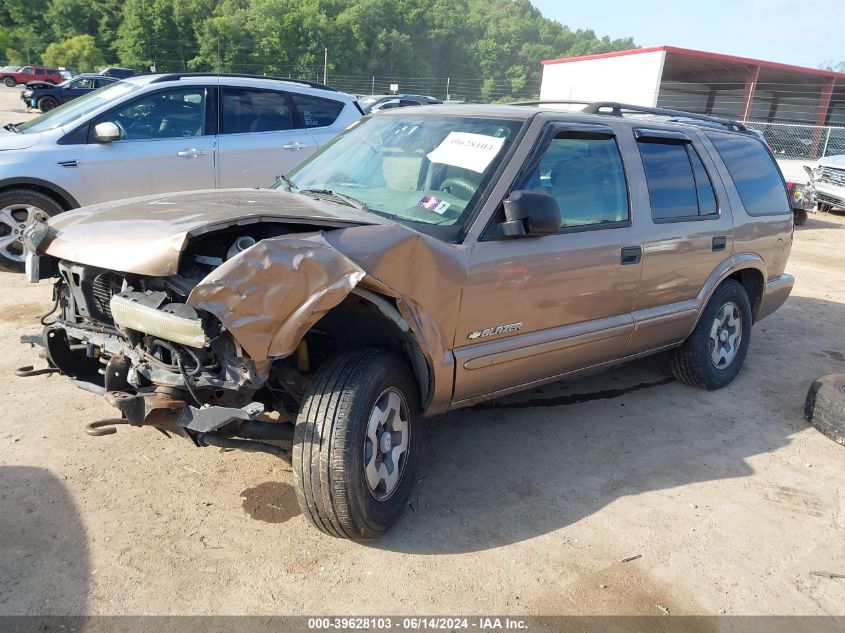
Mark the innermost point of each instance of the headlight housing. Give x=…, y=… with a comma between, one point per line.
x=131, y=314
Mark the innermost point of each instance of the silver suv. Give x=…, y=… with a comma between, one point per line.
x=157, y=134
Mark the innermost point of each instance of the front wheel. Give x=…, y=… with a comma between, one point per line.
x=10, y=82
x=45, y=104
x=18, y=209
x=714, y=353
x=355, y=445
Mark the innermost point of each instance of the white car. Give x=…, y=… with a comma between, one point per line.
x=159, y=134
x=830, y=183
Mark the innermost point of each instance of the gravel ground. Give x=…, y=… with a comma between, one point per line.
x=524, y=506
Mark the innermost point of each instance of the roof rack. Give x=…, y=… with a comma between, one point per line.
x=618, y=109
x=550, y=102
x=303, y=82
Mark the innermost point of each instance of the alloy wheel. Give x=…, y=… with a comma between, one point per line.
x=14, y=219
x=386, y=444
x=725, y=335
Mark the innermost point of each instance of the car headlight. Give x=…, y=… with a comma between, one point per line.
x=27, y=93
x=171, y=327
x=34, y=235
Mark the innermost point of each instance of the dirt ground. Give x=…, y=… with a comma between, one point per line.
x=523, y=506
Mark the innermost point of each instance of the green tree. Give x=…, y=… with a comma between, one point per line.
x=79, y=52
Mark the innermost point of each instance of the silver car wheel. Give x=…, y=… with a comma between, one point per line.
x=725, y=335
x=386, y=444
x=13, y=221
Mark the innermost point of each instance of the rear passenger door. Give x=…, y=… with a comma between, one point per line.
x=538, y=307
x=261, y=136
x=688, y=234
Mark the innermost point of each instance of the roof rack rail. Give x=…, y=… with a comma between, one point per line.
x=617, y=109
x=550, y=102
x=303, y=82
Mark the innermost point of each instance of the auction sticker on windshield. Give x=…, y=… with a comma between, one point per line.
x=465, y=149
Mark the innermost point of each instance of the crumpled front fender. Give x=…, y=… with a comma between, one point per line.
x=269, y=295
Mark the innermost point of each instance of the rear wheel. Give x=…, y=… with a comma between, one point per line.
x=18, y=209
x=10, y=81
x=45, y=104
x=714, y=353
x=355, y=446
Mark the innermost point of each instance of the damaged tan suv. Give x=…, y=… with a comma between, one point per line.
x=427, y=259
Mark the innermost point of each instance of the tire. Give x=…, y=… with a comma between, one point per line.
x=800, y=217
x=693, y=363
x=19, y=208
x=10, y=82
x=45, y=104
x=330, y=445
x=825, y=406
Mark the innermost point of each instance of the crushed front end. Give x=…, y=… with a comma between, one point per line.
x=134, y=340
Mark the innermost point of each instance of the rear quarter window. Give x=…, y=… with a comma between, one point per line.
x=315, y=111
x=754, y=173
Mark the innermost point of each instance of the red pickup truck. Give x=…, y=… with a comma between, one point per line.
x=31, y=73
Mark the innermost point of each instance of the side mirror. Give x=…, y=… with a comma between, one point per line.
x=106, y=132
x=530, y=214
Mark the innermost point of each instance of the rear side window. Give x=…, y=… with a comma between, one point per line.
x=317, y=112
x=754, y=173
x=245, y=110
x=678, y=184
x=584, y=173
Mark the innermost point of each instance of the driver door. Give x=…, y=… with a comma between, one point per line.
x=536, y=308
x=167, y=144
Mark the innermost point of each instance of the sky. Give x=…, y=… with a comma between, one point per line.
x=799, y=32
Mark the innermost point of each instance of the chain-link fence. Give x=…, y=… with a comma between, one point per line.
x=796, y=141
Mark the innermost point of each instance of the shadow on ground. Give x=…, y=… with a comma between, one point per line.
x=43, y=553
x=524, y=466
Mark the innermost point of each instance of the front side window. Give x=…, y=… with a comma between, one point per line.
x=754, y=172
x=425, y=170
x=315, y=111
x=584, y=173
x=164, y=114
x=28, y=71
x=245, y=110
x=678, y=185
x=75, y=112
x=82, y=84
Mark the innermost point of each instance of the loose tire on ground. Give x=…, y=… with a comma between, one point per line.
x=45, y=104
x=800, y=217
x=18, y=209
x=694, y=362
x=825, y=406
x=337, y=436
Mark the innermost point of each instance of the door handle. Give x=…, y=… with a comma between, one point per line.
x=294, y=145
x=720, y=242
x=632, y=255
x=190, y=153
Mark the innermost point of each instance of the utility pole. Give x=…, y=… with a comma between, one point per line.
x=325, y=65
x=447, y=87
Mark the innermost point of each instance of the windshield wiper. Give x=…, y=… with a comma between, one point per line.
x=12, y=127
x=341, y=197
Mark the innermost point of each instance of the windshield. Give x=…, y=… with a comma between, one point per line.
x=429, y=170
x=77, y=109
